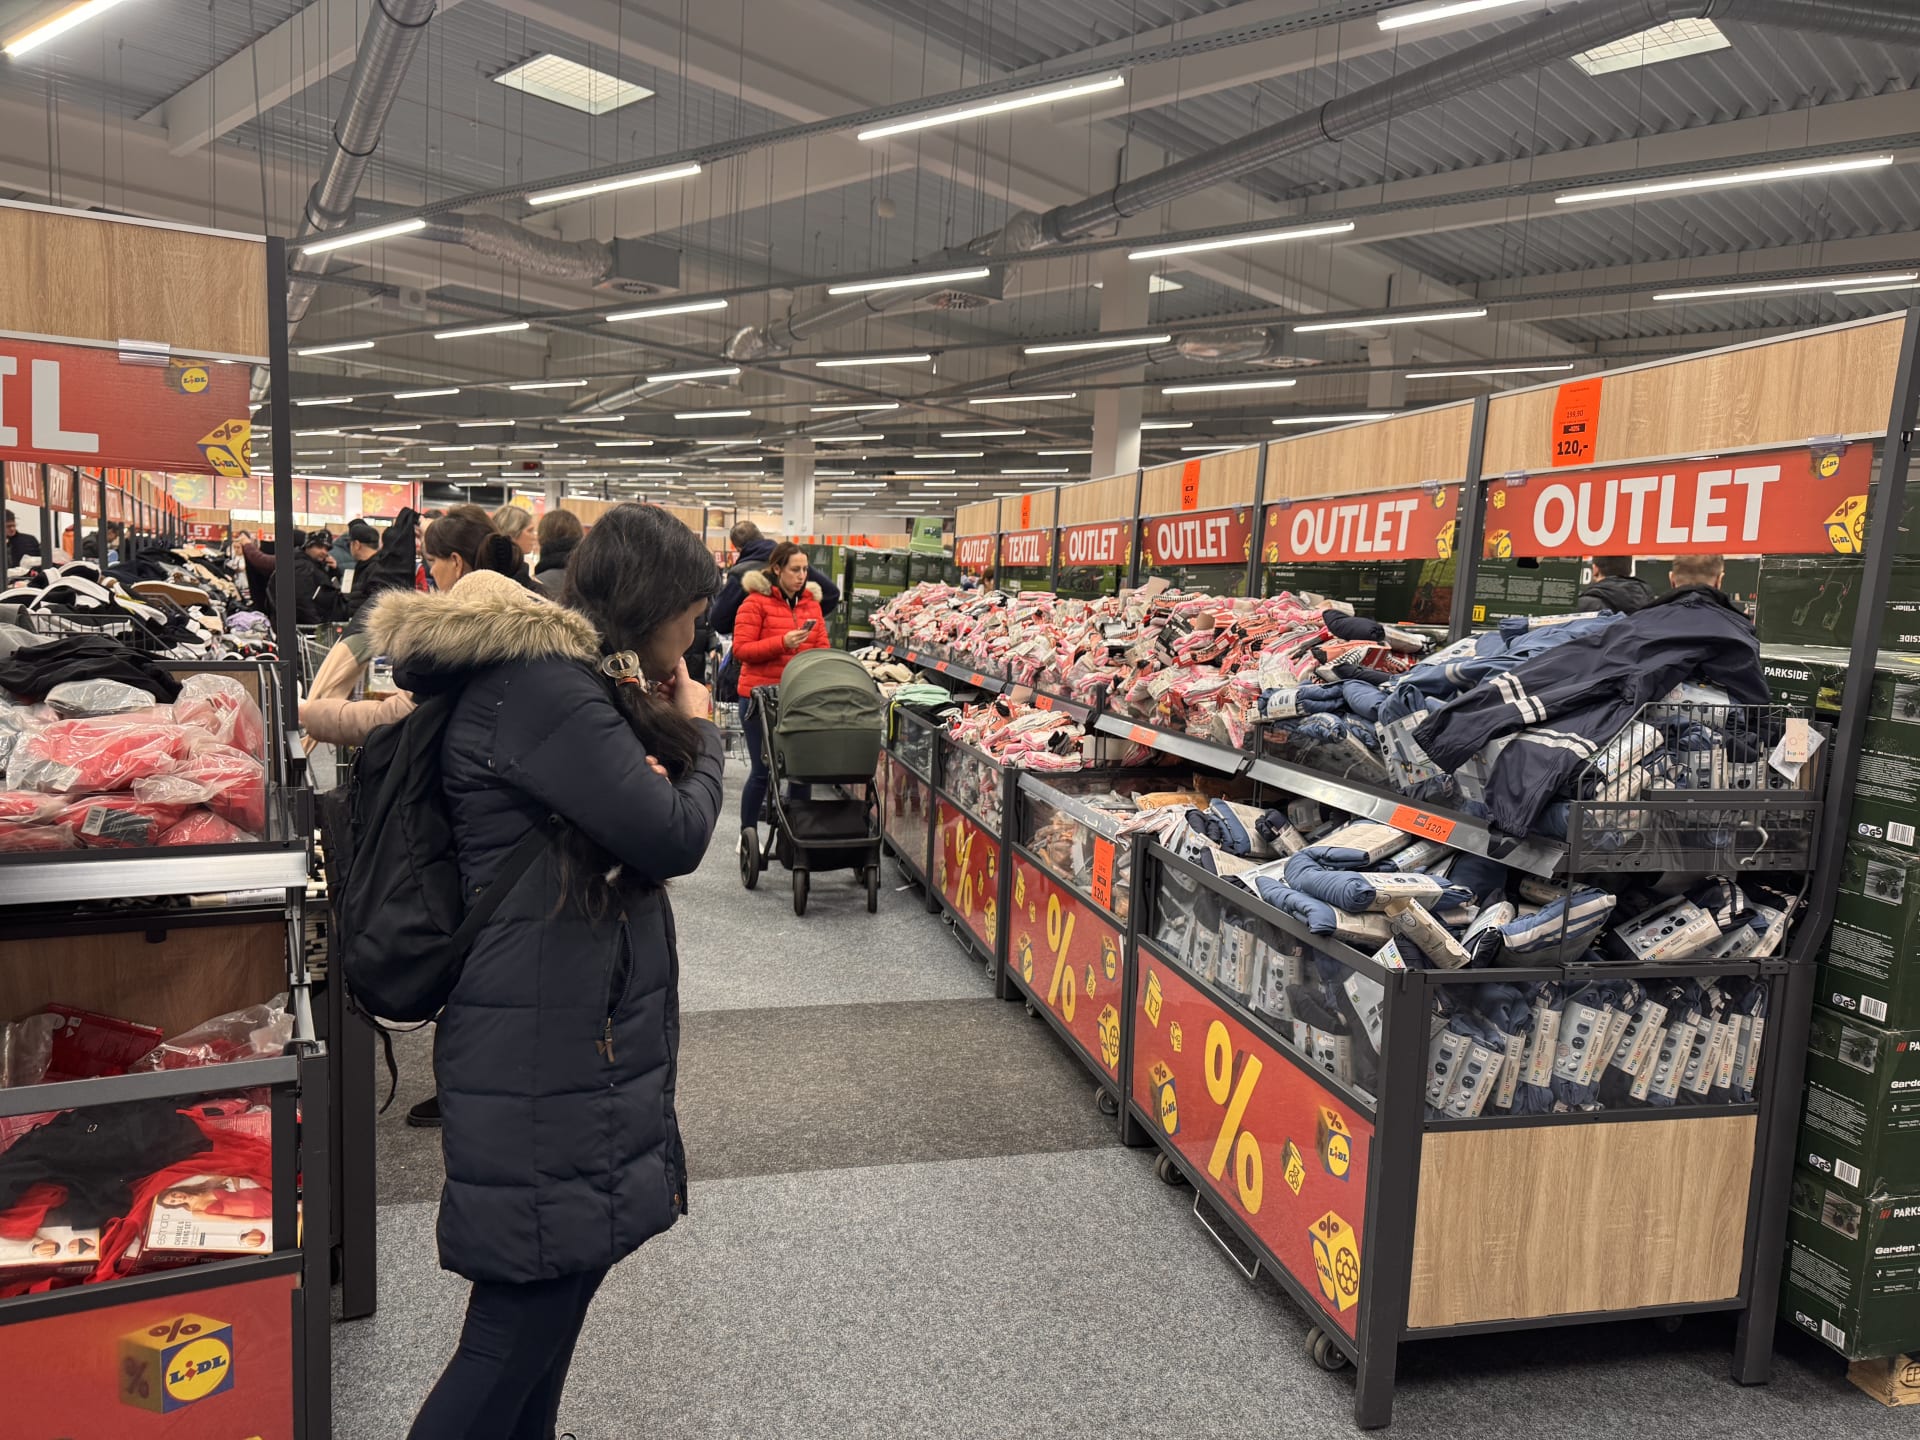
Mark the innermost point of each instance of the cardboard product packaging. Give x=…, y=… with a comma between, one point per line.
x=1861, y=1124
x=1886, y=795
x=1870, y=965
x=51, y=1250
x=1853, y=1269
x=208, y=1216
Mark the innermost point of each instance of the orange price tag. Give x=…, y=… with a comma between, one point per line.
x=1140, y=735
x=976, y=679
x=1576, y=422
x=1043, y=702
x=913, y=657
x=1190, y=485
x=1103, y=872
x=1026, y=512
x=1419, y=822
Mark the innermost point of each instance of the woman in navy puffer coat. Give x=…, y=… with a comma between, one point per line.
x=555, y=1055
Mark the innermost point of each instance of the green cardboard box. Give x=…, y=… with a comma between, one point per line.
x=1809, y=678
x=1870, y=966
x=1853, y=1269
x=1886, y=793
x=1804, y=600
x=1861, y=1124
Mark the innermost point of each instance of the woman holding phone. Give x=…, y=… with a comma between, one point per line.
x=779, y=618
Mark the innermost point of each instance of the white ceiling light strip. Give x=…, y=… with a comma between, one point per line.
x=364, y=237
x=606, y=187
x=1431, y=318
x=1228, y=385
x=1727, y=180
x=1447, y=10
x=1020, y=100
x=341, y=348
x=1489, y=370
x=718, y=372
x=658, y=312
x=469, y=332
x=1786, y=287
x=929, y=281
x=913, y=359
x=1023, y=399
x=1068, y=347
x=1232, y=242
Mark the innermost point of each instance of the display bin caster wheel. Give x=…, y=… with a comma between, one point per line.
x=750, y=859
x=1032, y=1014
x=1669, y=1324
x=1168, y=1173
x=1325, y=1354
x=800, y=892
x=873, y=889
x=1104, y=1102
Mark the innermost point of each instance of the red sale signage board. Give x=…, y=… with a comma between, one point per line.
x=973, y=552
x=211, y=1362
x=1027, y=548
x=23, y=483
x=1067, y=956
x=966, y=872
x=1095, y=545
x=1206, y=537
x=1286, y=1155
x=386, y=501
x=1393, y=525
x=1781, y=502
x=81, y=405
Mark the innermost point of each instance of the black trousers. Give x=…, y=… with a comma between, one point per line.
x=505, y=1378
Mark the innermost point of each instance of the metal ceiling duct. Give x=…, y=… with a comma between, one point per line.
x=393, y=33
x=584, y=260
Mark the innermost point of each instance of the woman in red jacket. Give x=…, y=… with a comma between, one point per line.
x=779, y=618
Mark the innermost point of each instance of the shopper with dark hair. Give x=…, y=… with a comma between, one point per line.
x=20, y=546
x=316, y=594
x=560, y=535
x=556, y=1052
x=1615, y=587
x=753, y=551
x=781, y=617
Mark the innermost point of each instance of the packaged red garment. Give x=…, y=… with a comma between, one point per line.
x=203, y=827
x=74, y=698
x=118, y=822
x=221, y=706
x=258, y=1032
x=227, y=781
x=105, y=753
x=88, y=1045
x=24, y=839
x=24, y=807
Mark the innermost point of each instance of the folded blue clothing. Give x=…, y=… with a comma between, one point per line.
x=1343, y=626
x=1320, y=699
x=1481, y=878
x=1363, y=699
x=1559, y=933
x=1226, y=827
x=1343, y=878
x=1316, y=915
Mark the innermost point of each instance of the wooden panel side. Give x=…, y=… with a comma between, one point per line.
x=1827, y=382
x=1225, y=480
x=70, y=275
x=1612, y=1217
x=173, y=979
x=1039, y=513
x=980, y=518
x=1095, y=500
x=1380, y=455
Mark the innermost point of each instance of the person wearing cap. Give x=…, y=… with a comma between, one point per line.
x=316, y=594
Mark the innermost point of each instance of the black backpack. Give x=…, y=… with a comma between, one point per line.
x=404, y=922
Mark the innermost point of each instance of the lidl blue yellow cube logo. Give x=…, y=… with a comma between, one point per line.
x=172, y=1364
x=1335, y=1143
x=1109, y=957
x=1151, y=1004
x=1165, y=1104
x=1292, y=1168
x=1110, y=1039
x=1336, y=1260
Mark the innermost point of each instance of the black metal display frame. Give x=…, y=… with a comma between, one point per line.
x=993, y=954
x=918, y=869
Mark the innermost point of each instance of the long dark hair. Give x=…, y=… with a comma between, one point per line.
x=637, y=569
x=468, y=531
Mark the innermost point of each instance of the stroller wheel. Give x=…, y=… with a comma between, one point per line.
x=750, y=860
x=800, y=892
x=873, y=888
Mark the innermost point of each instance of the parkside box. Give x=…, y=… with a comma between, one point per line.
x=1871, y=964
x=1853, y=1269
x=1805, y=678
x=1886, y=796
x=1861, y=1125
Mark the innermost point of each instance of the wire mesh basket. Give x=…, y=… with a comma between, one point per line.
x=1701, y=787
x=117, y=625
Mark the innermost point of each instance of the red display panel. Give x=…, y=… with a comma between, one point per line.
x=1285, y=1155
x=1393, y=525
x=1027, y=548
x=973, y=552
x=23, y=483
x=1205, y=537
x=1067, y=955
x=966, y=872
x=1096, y=545
x=206, y=1365
x=80, y=405
x=385, y=500
x=1778, y=502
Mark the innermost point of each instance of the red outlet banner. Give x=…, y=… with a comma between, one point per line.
x=60, y=488
x=966, y=872
x=1067, y=956
x=1285, y=1154
x=23, y=483
x=973, y=552
x=1206, y=537
x=206, y=532
x=1027, y=548
x=1095, y=545
x=80, y=405
x=1393, y=525
x=215, y=1362
x=1780, y=502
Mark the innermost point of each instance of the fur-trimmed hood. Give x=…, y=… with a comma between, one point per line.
x=486, y=619
x=755, y=582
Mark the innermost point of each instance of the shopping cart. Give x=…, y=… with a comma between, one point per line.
x=726, y=713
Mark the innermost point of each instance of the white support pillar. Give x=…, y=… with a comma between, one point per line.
x=1116, y=413
x=796, y=498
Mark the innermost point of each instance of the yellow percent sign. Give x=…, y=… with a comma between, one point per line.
x=1060, y=989
x=1249, y=1170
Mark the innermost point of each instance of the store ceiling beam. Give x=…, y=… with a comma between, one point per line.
x=321, y=40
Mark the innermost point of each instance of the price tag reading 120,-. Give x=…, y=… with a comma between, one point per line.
x=1421, y=823
x=1103, y=872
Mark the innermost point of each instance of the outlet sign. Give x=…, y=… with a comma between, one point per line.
x=74, y=404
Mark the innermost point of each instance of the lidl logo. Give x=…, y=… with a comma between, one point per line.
x=229, y=449
x=1829, y=466
x=190, y=379
x=175, y=1362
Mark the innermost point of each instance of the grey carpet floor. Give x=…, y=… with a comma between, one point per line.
x=909, y=1220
